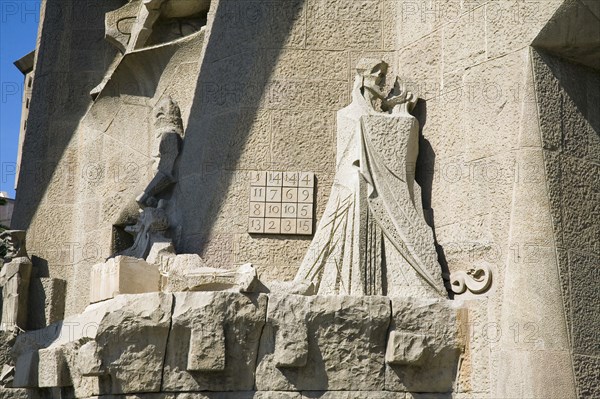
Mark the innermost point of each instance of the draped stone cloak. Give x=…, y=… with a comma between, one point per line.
x=372, y=238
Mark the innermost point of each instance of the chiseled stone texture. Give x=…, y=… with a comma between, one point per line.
x=208, y=395
x=131, y=335
x=46, y=302
x=439, y=321
x=352, y=395
x=18, y=393
x=587, y=373
x=234, y=317
x=132, y=342
x=344, y=338
x=71, y=58
x=569, y=99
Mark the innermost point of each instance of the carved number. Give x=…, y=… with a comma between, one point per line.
x=304, y=226
x=305, y=211
x=256, y=225
x=286, y=226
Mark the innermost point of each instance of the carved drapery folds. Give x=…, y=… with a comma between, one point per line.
x=15, y=275
x=373, y=239
x=142, y=23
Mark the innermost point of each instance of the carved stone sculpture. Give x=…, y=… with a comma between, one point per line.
x=131, y=27
x=168, y=128
x=14, y=280
x=153, y=222
x=149, y=229
x=373, y=239
x=477, y=280
x=14, y=242
x=141, y=24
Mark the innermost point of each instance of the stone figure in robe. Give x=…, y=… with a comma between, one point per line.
x=372, y=238
x=15, y=274
x=168, y=131
x=156, y=207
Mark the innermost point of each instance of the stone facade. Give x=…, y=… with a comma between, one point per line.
x=480, y=193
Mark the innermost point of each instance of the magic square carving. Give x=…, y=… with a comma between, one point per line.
x=281, y=203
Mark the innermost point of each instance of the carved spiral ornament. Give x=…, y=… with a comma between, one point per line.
x=477, y=280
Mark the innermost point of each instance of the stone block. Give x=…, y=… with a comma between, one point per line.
x=344, y=343
x=46, y=302
x=53, y=370
x=188, y=273
x=241, y=317
x=207, y=348
x=425, y=345
x=122, y=275
x=132, y=340
x=14, y=280
x=18, y=393
x=352, y=395
x=26, y=370
x=405, y=348
x=115, y=346
x=88, y=360
x=291, y=345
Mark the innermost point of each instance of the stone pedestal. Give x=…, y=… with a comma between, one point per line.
x=122, y=275
x=14, y=279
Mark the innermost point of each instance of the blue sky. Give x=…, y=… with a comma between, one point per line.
x=18, y=29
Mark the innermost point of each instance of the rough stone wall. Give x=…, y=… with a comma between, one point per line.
x=71, y=58
x=262, y=94
x=486, y=180
x=272, y=76
x=230, y=345
x=570, y=139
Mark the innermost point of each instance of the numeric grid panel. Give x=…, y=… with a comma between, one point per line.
x=281, y=203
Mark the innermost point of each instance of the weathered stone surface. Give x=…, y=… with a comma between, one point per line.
x=405, y=349
x=129, y=336
x=53, y=369
x=188, y=272
x=241, y=318
x=207, y=347
x=291, y=345
x=433, y=326
x=352, y=395
x=272, y=78
x=132, y=342
x=344, y=351
x=122, y=275
x=208, y=395
x=88, y=361
x=46, y=302
x=18, y=393
x=7, y=340
x=14, y=280
x=587, y=372
x=26, y=370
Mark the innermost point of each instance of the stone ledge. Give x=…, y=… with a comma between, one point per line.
x=303, y=346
